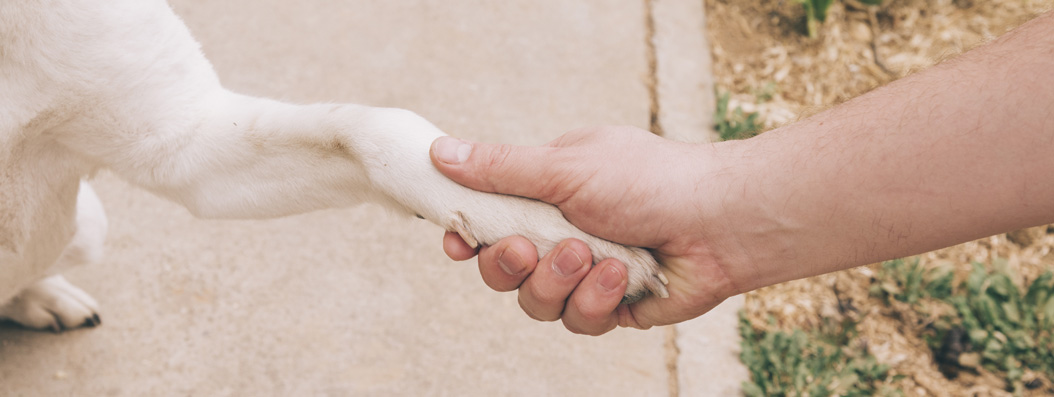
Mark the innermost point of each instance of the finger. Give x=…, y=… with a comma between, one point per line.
x=591, y=310
x=507, y=263
x=526, y=171
x=544, y=294
x=456, y=248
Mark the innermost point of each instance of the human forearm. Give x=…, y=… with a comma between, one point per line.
x=960, y=151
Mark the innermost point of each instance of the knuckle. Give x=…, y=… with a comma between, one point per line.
x=545, y=296
x=576, y=328
x=593, y=316
x=497, y=162
x=599, y=318
x=589, y=323
x=535, y=314
x=495, y=283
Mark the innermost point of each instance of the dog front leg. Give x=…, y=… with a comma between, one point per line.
x=243, y=157
x=234, y=156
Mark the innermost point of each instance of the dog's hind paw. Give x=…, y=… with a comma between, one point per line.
x=52, y=304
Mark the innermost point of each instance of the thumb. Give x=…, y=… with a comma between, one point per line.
x=526, y=171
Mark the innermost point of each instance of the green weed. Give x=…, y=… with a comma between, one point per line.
x=816, y=363
x=909, y=281
x=766, y=92
x=995, y=323
x=816, y=13
x=734, y=124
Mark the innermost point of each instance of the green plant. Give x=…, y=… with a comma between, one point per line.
x=766, y=92
x=997, y=324
x=909, y=281
x=734, y=124
x=816, y=13
x=816, y=363
x=1012, y=328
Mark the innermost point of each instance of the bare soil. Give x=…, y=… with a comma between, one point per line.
x=761, y=48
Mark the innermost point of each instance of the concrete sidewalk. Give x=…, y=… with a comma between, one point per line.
x=357, y=302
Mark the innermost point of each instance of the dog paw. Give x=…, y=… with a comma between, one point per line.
x=402, y=170
x=52, y=304
x=545, y=226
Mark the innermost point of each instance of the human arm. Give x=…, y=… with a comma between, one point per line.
x=957, y=152
x=954, y=153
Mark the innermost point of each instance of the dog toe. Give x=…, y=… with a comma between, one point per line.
x=52, y=304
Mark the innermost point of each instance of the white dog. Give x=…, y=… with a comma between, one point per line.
x=91, y=84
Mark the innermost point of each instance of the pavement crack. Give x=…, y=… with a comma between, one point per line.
x=651, y=82
x=673, y=354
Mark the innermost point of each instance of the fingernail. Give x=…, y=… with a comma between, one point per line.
x=567, y=262
x=511, y=264
x=610, y=278
x=452, y=150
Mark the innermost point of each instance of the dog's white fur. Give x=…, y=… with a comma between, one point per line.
x=91, y=84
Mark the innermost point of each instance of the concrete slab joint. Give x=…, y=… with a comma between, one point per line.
x=706, y=349
x=683, y=72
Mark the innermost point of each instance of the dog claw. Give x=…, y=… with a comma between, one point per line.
x=55, y=326
x=657, y=285
x=92, y=321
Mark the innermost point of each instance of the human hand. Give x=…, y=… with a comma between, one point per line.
x=619, y=183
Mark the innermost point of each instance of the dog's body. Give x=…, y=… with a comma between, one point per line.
x=122, y=85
